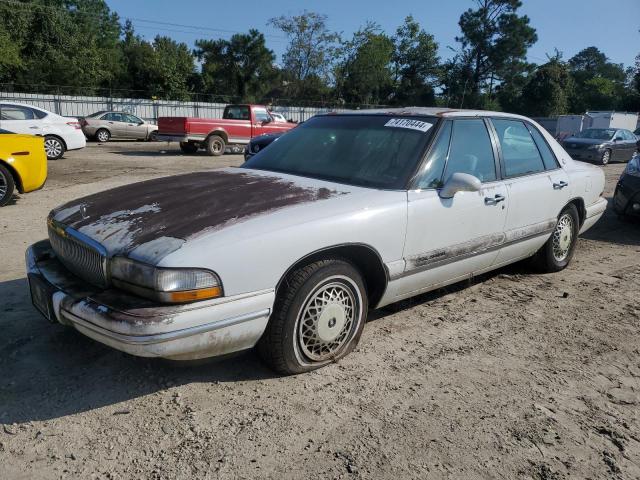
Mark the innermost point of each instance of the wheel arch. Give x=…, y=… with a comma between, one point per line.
x=221, y=133
x=14, y=173
x=578, y=202
x=364, y=257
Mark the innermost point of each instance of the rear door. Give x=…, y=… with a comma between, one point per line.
x=449, y=239
x=20, y=119
x=536, y=186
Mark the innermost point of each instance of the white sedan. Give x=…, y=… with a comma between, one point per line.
x=345, y=213
x=60, y=133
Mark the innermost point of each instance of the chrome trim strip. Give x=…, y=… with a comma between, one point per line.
x=167, y=336
x=478, y=246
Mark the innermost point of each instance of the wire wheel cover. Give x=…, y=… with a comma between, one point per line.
x=52, y=147
x=563, y=237
x=327, y=320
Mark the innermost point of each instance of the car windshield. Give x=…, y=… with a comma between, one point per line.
x=597, y=133
x=376, y=151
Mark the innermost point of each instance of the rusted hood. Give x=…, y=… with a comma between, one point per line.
x=154, y=217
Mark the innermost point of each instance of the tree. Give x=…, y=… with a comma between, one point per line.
x=599, y=83
x=62, y=42
x=364, y=74
x=547, y=92
x=241, y=67
x=311, y=54
x=494, y=40
x=415, y=64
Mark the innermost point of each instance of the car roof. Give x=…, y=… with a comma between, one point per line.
x=430, y=112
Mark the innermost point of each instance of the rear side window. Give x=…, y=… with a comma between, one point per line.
x=432, y=173
x=16, y=112
x=471, y=151
x=236, y=112
x=548, y=158
x=519, y=151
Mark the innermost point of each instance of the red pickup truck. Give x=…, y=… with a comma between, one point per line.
x=239, y=124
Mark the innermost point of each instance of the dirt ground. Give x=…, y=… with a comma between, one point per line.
x=514, y=375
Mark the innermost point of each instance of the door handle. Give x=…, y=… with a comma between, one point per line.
x=34, y=127
x=560, y=185
x=494, y=200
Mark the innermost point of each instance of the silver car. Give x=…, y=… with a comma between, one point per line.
x=103, y=126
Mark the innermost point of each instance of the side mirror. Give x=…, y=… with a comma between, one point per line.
x=266, y=120
x=460, y=182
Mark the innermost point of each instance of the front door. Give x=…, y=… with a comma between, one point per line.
x=537, y=188
x=450, y=239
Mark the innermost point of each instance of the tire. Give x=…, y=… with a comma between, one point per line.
x=7, y=185
x=153, y=136
x=214, y=145
x=189, y=147
x=556, y=254
x=606, y=157
x=289, y=348
x=53, y=147
x=103, y=135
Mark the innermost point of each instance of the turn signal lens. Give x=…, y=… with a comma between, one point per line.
x=194, y=295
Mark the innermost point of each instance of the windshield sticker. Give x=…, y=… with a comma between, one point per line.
x=409, y=123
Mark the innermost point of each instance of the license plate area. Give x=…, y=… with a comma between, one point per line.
x=41, y=297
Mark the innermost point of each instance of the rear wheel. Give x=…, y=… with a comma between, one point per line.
x=188, y=147
x=556, y=254
x=606, y=157
x=318, y=319
x=7, y=185
x=53, y=147
x=215, y=145
x=103, y=135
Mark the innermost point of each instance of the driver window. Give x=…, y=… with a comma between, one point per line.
x=471, y=151
x=261, y=115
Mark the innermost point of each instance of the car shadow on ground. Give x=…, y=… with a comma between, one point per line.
x=613, y=229
x=48, y=371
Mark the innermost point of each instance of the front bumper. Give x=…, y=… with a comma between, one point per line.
x=626, y=199
x=141, y=327
x=592, y=155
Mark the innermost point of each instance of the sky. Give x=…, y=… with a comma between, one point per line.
x=568, y=25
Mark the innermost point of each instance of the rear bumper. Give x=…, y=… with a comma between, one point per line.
x=143, y=328
x=75, y=140
x=593, y=213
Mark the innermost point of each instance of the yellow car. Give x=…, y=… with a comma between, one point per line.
x=23, y=164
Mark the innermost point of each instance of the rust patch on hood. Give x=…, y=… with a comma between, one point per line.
x=181, y=207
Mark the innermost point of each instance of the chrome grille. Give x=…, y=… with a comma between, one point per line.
x=78, y=257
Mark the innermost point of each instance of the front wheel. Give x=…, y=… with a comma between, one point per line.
x=317, y=320
x=53, y=147
x=153, y=136
x=606, y=157
x=103, y=135
x=7, y=185
x=556, y=254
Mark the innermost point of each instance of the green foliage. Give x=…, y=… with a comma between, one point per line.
x=494, y=41
x=416, y=65
x=241, y=67
x=311, y=54
x=547, y=92
x=364, y=75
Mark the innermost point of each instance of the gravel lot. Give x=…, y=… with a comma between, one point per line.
x=514, y=375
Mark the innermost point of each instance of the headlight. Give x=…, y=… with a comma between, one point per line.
x=633, y=167
x=595, y=147
x=256, y=148
x=168, y=285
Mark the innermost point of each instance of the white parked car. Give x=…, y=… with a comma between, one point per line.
x=60, y=133
x=345, y=213
x=278, y=117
